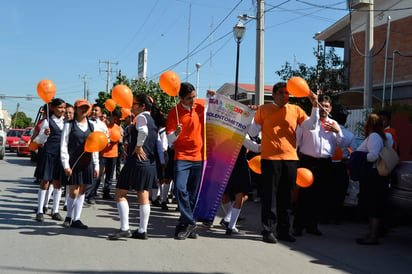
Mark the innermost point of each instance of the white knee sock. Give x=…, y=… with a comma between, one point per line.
x=67, y=196
x=77, y=207
x=57, y=194
x=123, y=209
x=40, y=200
x=165, y=192
x=144, y=211
x=70, y=204
x=234, y=217
x=48, y=196
x=227, y=210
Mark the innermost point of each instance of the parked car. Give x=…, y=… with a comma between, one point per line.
x=2, y=141
x=23, y=147
x=13, y=139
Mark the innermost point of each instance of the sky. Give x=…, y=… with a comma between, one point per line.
x=72, y=42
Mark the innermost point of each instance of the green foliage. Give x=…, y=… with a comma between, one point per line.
x=164, y=101
x=20, y=120
x=327, y=76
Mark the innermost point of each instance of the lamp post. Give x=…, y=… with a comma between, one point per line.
x=238, y=32
x=197, y=77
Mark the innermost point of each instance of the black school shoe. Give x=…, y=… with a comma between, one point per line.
x=182, y=235
x=120, y=234
x=56, y=216
x=79, y=224
x=39, y=217
x=140, y=235
x=269, y=237
x=67, y=222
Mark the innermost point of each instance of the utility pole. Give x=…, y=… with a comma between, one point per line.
x=108, y=72
x=15, y=116
x=368, y=77
x=85, y=86
x=260, y=51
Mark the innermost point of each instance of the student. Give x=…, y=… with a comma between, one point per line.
x=139, y=172
x=50, y=168
x=72, y=151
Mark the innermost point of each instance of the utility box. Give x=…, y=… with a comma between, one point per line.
x=357, y=4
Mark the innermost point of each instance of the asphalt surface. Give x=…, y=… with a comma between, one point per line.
x=28, y=246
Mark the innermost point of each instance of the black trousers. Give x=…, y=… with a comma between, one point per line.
x=312, y=201
x=278, y=182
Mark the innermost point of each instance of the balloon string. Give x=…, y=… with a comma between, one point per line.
x=75, y=163
x=324, y=109
x=177, y=115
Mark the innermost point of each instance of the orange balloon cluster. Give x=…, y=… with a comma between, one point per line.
x=304, y=177
x=110, y=105
x=115, y=135
x=254, y=164
x=298, y=87
x=169, y=81
x=123, y=96
x=95, y=142
x=46, y=90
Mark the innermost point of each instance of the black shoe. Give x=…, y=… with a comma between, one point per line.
x=185, y=233
x=297, y=232
x=286, y=237
x=269, y=237
x=91, y=201
x=193, y=235
x=56, y=216
x=120, y=234
x=45, y=209
x=65, y=208
x=156, y=203
x=224, y=223
x=314, y=231
x=140, y=235
x=67, y=222
x=234, y=231
x=79, y=224
x=39, y=217
x=108, y=196
x=164, y=206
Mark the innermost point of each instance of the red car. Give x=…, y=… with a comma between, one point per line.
x=23, y=148
x=13, y=139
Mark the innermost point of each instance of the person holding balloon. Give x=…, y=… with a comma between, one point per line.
x=139, y=171
x=279, y=161
x=78, y=162
x=317, y=147
x=49, y=166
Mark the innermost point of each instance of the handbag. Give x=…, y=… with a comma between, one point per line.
x=387, y=161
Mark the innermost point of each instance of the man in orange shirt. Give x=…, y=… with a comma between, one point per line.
x=185, y=132
x=278, y=122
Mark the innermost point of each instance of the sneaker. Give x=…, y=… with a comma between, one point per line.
x=67, y=222
x=185, y=233
x=39, y=217
x=79, y=224
x=140, y=235
x=234, y=231
x=164, y=206
x=56, y=216
x=193, y=235
x=269, y=237
x=224, y=223
x=120, y=234
x=287, y=238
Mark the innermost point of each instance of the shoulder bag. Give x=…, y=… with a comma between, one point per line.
x=387, y=161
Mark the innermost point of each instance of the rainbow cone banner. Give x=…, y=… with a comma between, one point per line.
x=227, y=123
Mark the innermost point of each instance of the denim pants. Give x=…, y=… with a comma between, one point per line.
x=187, y=177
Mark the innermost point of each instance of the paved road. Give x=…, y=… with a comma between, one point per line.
x=31, y=247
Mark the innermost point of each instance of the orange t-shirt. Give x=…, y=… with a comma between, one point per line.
x=189, y=144
x=279, y=130
x=111, y=150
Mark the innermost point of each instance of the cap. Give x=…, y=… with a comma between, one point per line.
x=81, y=102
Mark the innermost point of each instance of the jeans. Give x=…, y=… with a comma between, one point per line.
x=187, y=177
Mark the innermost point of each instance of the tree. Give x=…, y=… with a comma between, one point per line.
x=20, y=120
x=327, y=77
x=164, y=101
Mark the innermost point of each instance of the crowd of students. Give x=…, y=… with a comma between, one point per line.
x=160, y=149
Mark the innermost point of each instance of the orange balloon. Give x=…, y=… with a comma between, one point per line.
x=298, y=87
x=125, y=112
x=123, y=96
x=110, y=105
x=33, y=146
x=338, y=154
x=304, y=177
x=169, y=81
x=46, y=90
x=115, y=135
x=254, y=164
x=95, y=142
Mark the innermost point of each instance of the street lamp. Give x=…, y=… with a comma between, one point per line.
x=197, y=77
x=238, y=32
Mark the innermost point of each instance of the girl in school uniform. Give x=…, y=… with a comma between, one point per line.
x=139, y=172
x=78, y=164
x=49, y=166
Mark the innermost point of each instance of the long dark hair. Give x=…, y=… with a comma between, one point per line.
x=374, y=124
